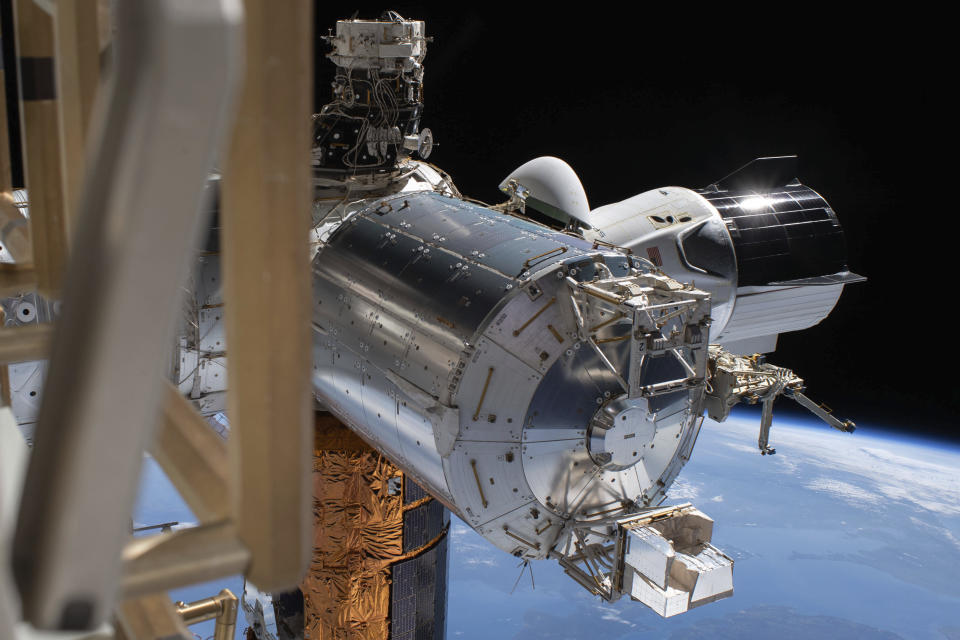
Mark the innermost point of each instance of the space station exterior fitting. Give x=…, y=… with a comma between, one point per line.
x=540, y=367
x=373, y=121
x=547, y=381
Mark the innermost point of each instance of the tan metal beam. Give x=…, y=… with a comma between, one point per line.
x=151, y=617
x=194, y=457
x=186, y=556
x=4, y=387
x=16, y=279
x=221, y=607
x=41, y=144
x=78, y=71
x=174, y=74
x=6, y=179
x=14, y=229
x=23, y=344
x=266, y=208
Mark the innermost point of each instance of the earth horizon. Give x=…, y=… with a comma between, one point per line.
x=837, y=535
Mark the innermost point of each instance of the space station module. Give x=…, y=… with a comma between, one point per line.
x=541, y=367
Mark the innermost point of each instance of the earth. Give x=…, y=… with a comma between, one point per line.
x=836, y=536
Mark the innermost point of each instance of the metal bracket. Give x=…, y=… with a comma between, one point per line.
x=735, y=378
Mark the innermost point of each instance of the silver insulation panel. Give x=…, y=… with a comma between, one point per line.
x=524, y=376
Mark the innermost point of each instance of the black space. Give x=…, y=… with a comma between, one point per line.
x=677, y=94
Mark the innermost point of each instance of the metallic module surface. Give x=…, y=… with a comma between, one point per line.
x=539, y=367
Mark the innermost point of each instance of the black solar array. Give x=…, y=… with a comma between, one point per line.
x=412, y=491
x=419, y=596
x=424, y=523
x=785, y=234
x=288, y=612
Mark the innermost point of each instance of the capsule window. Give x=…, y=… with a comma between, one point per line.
x=666, y=220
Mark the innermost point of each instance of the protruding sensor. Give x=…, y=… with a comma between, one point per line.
x=373, y=118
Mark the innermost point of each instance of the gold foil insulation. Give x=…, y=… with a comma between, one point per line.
x=358, y=535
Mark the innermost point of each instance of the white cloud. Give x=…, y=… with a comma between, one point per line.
x=847, y=492
x=471, y=549
x=683, y=490
x=942, y=531
x=886, y=469
x=738, y=446
x=786, y=462
x=612, y=615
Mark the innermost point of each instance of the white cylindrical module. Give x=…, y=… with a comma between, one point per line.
x=679, y=231
x=773, y=261
x=529, y=379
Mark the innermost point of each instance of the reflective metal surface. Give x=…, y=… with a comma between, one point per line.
x=772, y=259
x=781, y=234
x=481, y=352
